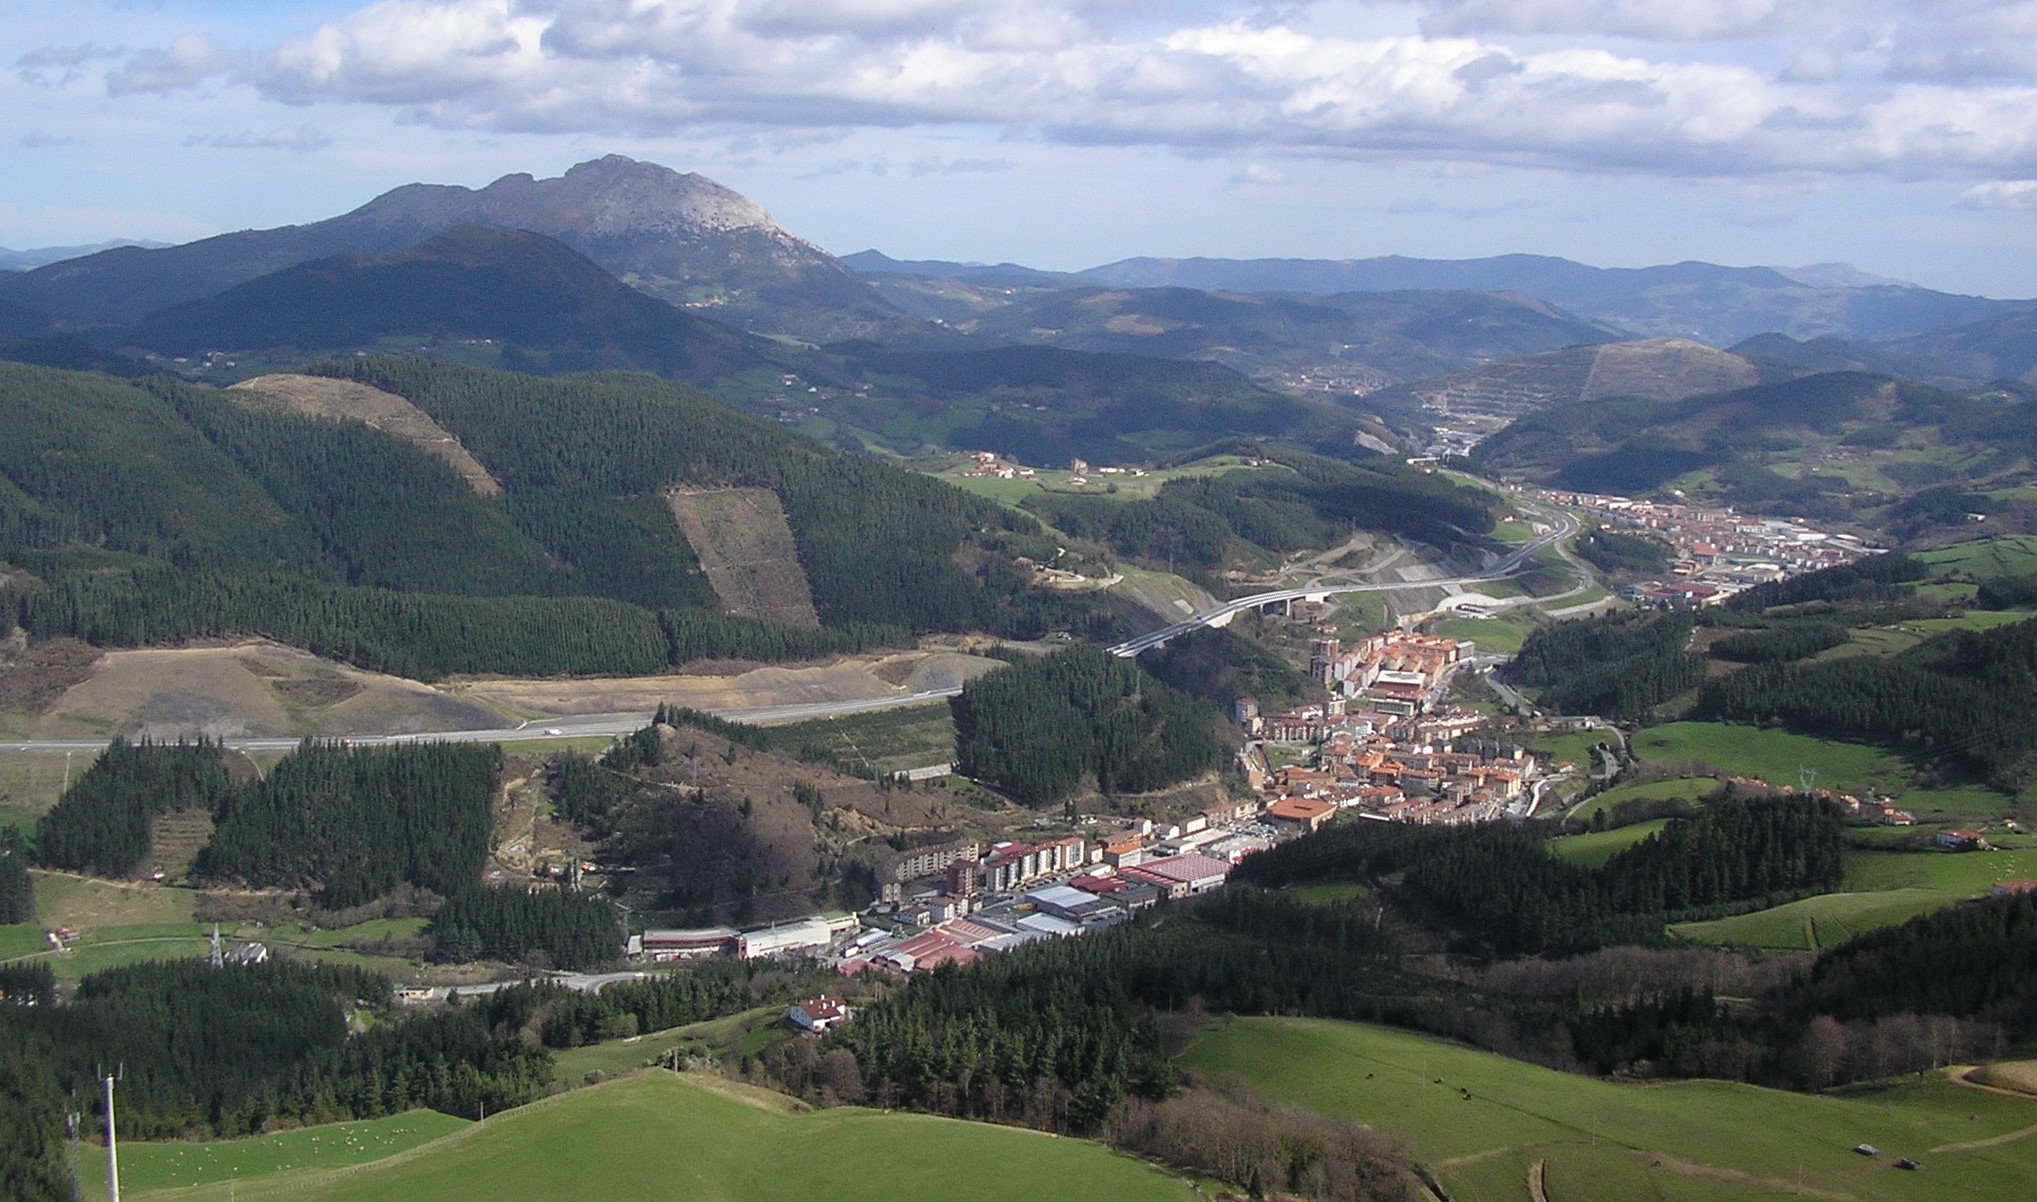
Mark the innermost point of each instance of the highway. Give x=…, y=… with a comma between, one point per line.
x=1562, y=525
x=552, y=729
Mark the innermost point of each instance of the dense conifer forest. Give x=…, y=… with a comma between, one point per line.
x=1196, y=521
x=357, y=822
x=101, y=824
x=1499, y=887
x=1612, y=551
x=1039, y=729
x=17, y=888
x=1961, y=697
x=154, y=512
x=1781, y=644
x=1619, y=665
x=550, y=928
x=222, y=1051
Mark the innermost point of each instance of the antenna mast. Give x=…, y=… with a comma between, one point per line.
x=112, y=1148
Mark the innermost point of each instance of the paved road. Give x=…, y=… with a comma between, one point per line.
x=1562, y=526
x=587, y=726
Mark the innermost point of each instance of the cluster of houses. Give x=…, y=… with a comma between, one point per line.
x=1404, y=779
x=1717, y=552
x=948, y=903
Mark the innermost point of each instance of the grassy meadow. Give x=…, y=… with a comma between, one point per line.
x=1600, y=1141
x=1596, y=847
x=1882, y=888
x=1776, y=757
x=151, y=1167
x=662, y=1136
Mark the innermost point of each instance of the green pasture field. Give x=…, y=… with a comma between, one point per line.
x=1776, y=755
x=1984, y=558
x=1815, y=923
x=892, y=740
x=1600, y=1141
x=1501, y=635
x=1593, y=849
x=1571, y=748
x=1694, y=788
x=1129, y=488
x=660, y=1135
x=1900, y=637
x=31, y=781
x=714, y=1038
x=149, y=1167
x=1882, y=888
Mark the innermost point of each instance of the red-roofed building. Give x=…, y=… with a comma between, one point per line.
x=818, y=1014
x=1305, y=812
x=1198, y=872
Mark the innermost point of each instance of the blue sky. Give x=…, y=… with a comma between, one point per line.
x=1897, y=136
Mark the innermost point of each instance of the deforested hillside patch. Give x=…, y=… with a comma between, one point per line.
x=319, y=396
x=1665, y=369
x=746, y=548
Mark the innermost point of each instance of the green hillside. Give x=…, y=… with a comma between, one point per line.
x=156, y=511
x=1046, y=405
x=1841, y=444
x=661, y=1136
x=1593, y=1140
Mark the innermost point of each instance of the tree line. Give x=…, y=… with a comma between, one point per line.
x=420, y=636
x=1501, y=889
x=101, y=823
x=1961, y=696
x=351, y=823
x=1038, y=729
x=356, y=822
x=17, y=888
x=550, y=928
x=221, y=1052
x=1619, y=665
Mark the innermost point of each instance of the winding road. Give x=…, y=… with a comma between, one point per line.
x=1561, y=525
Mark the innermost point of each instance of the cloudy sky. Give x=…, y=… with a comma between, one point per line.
x=1896, y=135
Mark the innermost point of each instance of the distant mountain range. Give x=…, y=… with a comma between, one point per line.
x=24, y=260
x=681, y=238
x=1700, y=301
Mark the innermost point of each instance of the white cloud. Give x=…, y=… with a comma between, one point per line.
x=1674, y=20
x=1866, y=89
x=184, y=63
x=301, y=139
x=56, y=66
x=2017, y=194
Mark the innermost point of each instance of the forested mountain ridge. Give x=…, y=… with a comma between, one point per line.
x=1371, y=337
x=1833, y=445
x=552, y=309
x=158, y=511
x=1719, y=305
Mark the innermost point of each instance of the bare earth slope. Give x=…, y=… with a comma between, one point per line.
x=746, y=549
x=315, y=396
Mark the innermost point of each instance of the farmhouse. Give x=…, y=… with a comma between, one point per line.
x=818, y=1014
